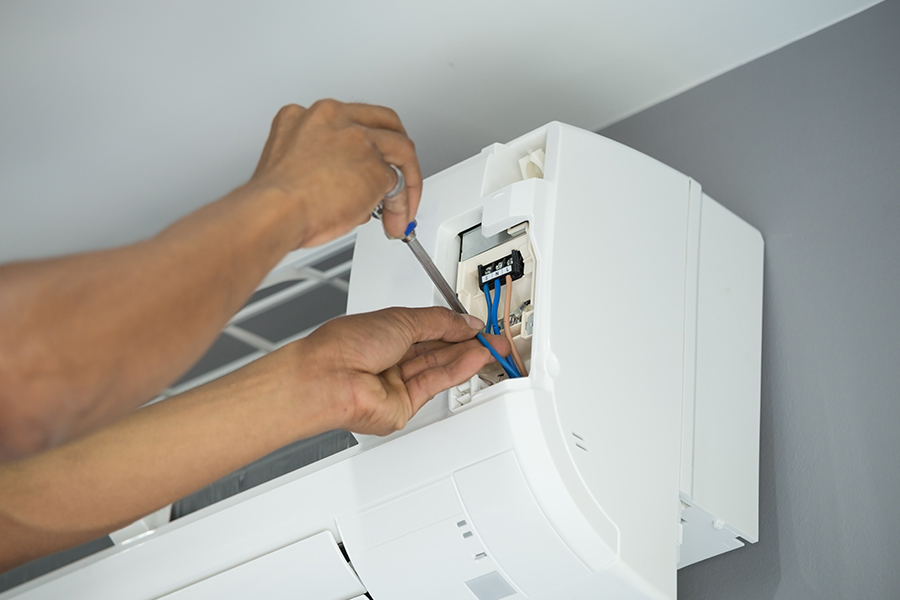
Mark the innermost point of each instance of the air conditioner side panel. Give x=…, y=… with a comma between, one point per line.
x=729, y=342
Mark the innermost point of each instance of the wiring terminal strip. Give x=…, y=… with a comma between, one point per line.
x=495, y=282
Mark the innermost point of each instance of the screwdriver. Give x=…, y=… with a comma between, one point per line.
x=409, y=238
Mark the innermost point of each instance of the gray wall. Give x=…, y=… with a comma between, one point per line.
x=805, y=145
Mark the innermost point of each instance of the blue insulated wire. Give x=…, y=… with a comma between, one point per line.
x=490, y=315
x=512, y=366
x=496, y=306
x=507, y=365
x=510, y=370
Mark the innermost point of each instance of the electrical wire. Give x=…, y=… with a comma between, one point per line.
x=507, y=325
x=498, y=283
x=492, y=325
x=496, y=306
x=489, y=322
x=510, y=369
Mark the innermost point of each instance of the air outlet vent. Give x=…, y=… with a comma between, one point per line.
x=296, y=297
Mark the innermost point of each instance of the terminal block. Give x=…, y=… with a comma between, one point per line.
x=512, y=264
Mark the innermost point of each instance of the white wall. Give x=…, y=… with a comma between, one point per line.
x=118, y=117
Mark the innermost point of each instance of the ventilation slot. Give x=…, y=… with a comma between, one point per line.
x=343, y=551
x=293, y=301
x=579, y=441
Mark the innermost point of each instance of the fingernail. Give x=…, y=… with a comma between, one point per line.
x=474, y=322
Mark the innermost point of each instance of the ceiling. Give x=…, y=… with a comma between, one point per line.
x=117, y=118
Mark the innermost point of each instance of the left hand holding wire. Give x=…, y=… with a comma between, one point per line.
x=372, y=372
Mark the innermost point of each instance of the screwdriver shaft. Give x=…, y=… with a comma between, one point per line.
x=436, y=277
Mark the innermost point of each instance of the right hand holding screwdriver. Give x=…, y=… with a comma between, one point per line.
x=332, y=160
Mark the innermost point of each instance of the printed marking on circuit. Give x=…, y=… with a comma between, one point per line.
x=512, y=265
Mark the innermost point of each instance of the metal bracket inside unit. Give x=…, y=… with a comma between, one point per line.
x=472, y=242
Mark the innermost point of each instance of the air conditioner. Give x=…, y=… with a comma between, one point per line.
x=630, y=449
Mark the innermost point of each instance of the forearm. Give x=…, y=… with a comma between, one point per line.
x=84, y=339
x=164, y=452
x=365, y=373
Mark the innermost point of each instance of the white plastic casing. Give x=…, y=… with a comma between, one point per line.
x=630, y=449
x=644, y=390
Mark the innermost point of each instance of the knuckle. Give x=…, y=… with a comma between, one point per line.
x=430, y=359
x=389, y=112
x=449, y=318
x=429, y=381
x=440, y=318
x=289, y=111
x=404, y=322
x=326, y=107
x=484, y=354
x=436, y=311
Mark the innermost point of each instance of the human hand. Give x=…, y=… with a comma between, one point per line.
x=370, y=373
x=332, y=161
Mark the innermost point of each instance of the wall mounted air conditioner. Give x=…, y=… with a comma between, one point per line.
x=630, y=449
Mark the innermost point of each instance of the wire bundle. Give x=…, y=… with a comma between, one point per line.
x=507, y=328
x=511, y=364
